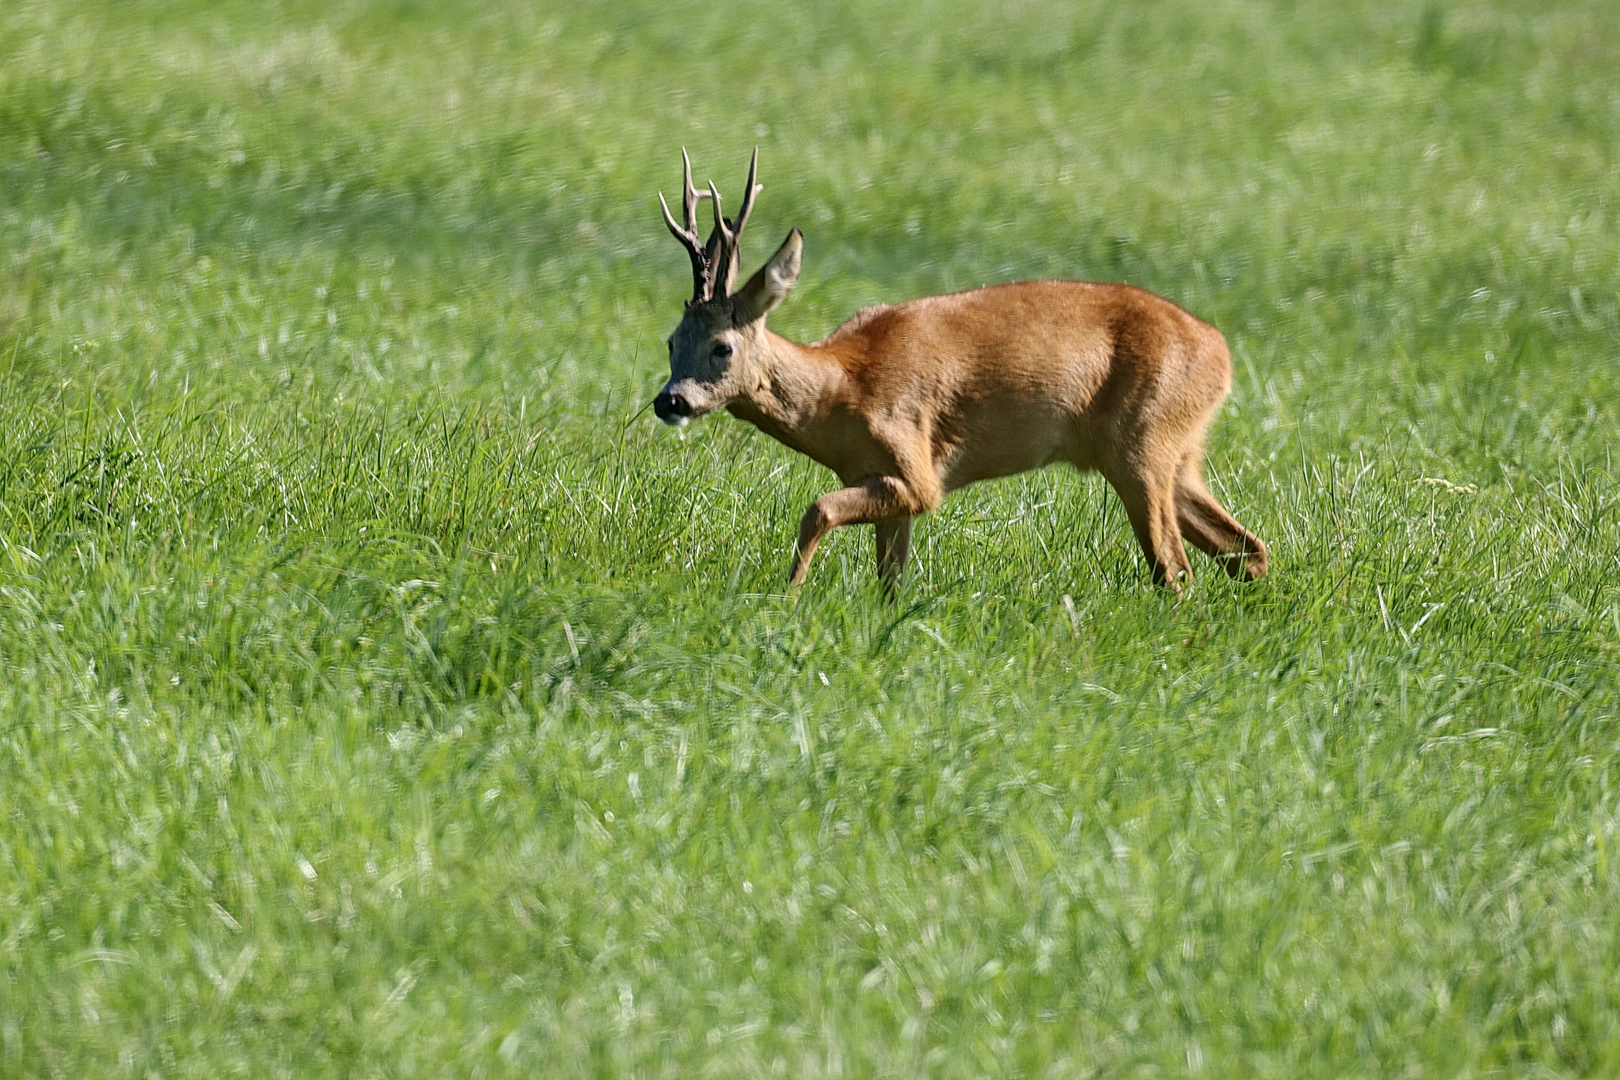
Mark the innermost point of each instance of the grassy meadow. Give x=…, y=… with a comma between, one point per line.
x=385, y=693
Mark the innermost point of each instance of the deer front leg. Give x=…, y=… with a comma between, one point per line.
x=893, y=546
x=882, y=499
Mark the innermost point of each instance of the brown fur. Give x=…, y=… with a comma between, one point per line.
x=910, y=402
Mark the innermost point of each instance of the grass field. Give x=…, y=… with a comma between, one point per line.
x=384, y=693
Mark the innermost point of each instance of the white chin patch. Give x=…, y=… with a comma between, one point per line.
x=678, y=421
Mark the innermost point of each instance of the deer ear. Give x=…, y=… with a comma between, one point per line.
x=770, y=283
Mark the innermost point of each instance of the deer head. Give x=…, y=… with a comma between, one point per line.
x=717, y=351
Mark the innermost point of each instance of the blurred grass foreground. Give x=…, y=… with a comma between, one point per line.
x=384, y=694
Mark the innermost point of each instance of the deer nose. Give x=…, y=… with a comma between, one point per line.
x=670, y=407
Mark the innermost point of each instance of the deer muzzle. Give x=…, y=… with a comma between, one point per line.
x=673, y=409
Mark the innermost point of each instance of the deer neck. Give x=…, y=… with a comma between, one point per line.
x=797, y=398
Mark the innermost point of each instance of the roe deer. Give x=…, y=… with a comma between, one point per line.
x=909, y=402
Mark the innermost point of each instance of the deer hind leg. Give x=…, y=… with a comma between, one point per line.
x=1148, y=493
x=880, y=500
x=893, y=546
x=1212, y=530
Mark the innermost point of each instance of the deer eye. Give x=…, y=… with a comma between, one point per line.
x=722, y=350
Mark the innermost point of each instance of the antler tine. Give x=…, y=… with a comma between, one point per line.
x=721, y=225
x=689, y=194
x=749, y=191
x=688, y=239
x=669, y=222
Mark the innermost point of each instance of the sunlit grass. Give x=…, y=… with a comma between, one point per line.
x=383, y=692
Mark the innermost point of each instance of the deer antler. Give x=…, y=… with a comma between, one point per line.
x=715, y=264
x=730, y=232
x=702, y=265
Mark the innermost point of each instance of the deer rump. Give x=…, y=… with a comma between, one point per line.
x=910, y=402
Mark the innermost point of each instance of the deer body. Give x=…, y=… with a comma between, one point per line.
x=907, y=403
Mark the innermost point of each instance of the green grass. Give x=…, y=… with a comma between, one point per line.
x=384, y=693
